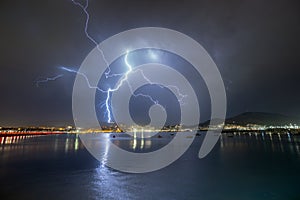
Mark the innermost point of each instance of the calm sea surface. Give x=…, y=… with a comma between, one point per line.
x=239, y=167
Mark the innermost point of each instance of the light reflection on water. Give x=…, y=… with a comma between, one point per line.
x=60, y=167
x=270, y=141
x=279, y=142
x=18, y=145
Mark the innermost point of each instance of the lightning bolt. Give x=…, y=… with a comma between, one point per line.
x=87, y=15
x=124, y=76
x=107, y=73
x=117, y=87
x=38, y=82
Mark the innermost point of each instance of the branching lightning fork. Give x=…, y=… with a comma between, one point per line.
x=108, y=74
x=38, y=82
x=117, y=87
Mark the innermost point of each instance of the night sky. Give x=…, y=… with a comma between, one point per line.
x=255, y=45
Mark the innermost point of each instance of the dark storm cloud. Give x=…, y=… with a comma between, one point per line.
x=255, y=44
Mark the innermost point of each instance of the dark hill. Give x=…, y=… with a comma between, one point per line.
x=263, y=119
x=259, y=118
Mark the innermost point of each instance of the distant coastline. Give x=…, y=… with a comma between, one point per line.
x=250, y=122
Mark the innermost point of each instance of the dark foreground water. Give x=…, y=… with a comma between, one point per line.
x=239, y=167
